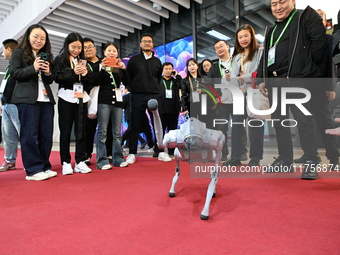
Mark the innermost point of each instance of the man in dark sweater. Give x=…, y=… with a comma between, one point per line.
x=145, y=74
x=170, y=102
x=10, y=116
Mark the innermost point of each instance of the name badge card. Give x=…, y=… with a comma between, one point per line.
x=195, y=97
x=119, y=96
x=271, y=55
x=168, y=93
x=78, y=90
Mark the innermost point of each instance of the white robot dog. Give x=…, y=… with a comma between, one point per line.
x=193, y=143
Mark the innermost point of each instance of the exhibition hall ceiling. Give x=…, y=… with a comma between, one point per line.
x=102, y=20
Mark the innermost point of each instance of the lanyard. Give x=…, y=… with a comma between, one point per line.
x=284, y=29
x=90, y=67
x=219, y=66
x=113, y=80
x=243, y=66
x=165, y=84
x=192, y=88
x=6, y=77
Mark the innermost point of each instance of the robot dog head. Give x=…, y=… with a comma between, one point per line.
x=193, y=132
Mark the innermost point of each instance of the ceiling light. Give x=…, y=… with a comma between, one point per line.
x=56, y=33
x=218, y=35
x=156, y=7
x=134, y=1
x=200, y=55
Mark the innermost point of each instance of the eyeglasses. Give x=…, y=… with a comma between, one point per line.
x=146, y=41
x=220, y=46
x=88, y=48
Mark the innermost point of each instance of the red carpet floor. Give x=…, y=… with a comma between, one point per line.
x=128, y=211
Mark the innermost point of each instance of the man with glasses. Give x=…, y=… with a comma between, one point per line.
x=145, y=74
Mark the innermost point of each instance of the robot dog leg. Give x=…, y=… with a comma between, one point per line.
x=174, y=179
x=211, y=192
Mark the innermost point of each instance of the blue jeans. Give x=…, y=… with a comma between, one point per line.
x=105, y=114
x=10, y=131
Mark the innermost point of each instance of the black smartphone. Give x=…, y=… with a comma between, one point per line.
x=44, y=56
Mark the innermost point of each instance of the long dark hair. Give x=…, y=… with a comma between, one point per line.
x=201, y=66
x=253, y=44
x=110, y=43
x=27, y=48
x=64, y=54
x=198, y=69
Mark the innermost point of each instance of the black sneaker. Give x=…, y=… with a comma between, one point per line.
x=279, y=166
x=232, y=162
x=310, y=172
x=155, y=155
x=254, y=162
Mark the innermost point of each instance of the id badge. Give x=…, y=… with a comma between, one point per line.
x=271, y=55
x=78, y=90
x=119, y=96
x=168, y=93
x=3, y=85
x=195, y=97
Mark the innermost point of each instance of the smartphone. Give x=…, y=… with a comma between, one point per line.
x=112, y=62
x=82, y=62
x=44, y=56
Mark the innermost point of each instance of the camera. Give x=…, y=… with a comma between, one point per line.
x=226, y=71
x=44, y=56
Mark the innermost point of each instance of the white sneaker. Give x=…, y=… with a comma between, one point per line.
x=106, y=167
x=130, y=159
x=124, y=164
x=51, y=173
x=81, y=167
x=67, y=168
x=163, y=156
x=38, y=177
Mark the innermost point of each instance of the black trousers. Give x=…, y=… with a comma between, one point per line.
x=69, y=114
x=138, y=108
x=305, y=125
x=36, y=121
x=224, y=111
x=320, y=107
x=146, y=130
x=169, y=122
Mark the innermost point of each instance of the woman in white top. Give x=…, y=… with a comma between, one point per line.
x=246, y=58
x=75, y=81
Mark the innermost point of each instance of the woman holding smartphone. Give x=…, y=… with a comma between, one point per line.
x=110, y=104
x=75, y=81
x=30, y=66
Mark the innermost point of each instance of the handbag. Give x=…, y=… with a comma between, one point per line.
x=92, y=104
x=260, y=102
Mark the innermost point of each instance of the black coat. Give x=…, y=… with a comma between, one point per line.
x=26, y=89
x=307, y=47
